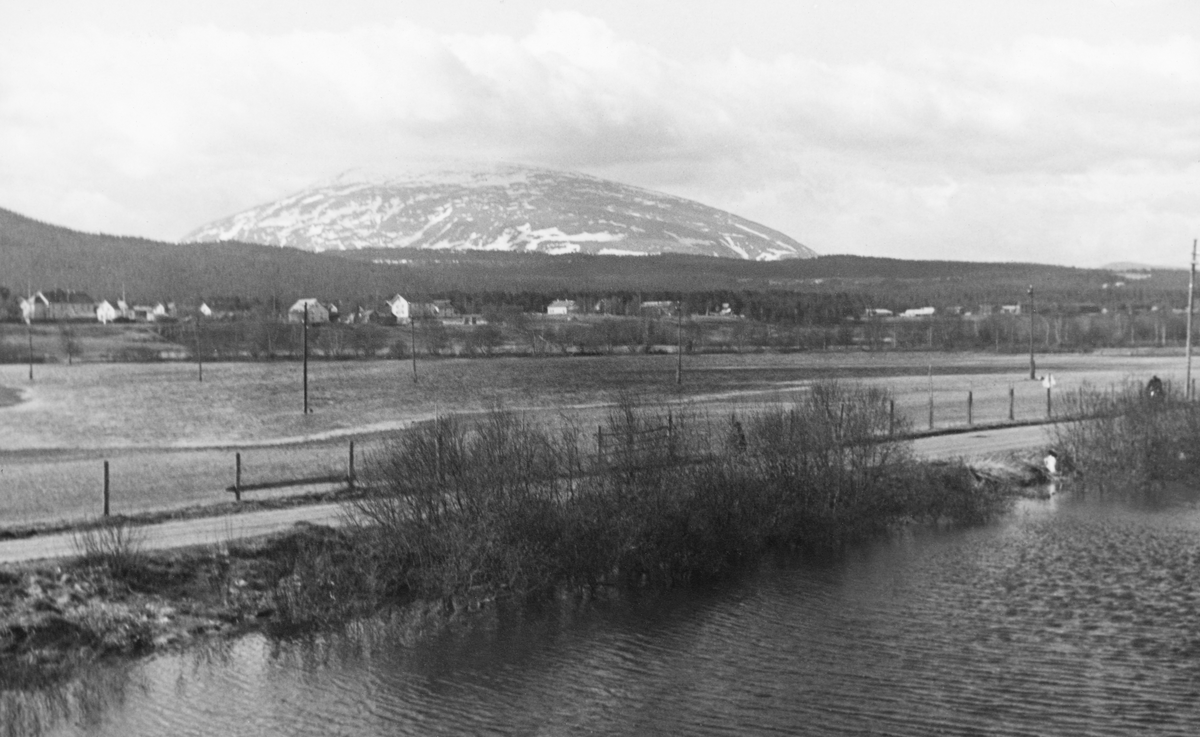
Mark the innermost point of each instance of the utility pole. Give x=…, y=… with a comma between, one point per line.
x=1191, y=304
x=412, y=335
x=306, y=358
x=199, y=356
x=1032, y=365
x=28, y=315
x=679, y=346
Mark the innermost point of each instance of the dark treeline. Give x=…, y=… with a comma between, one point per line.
x=819, y=291
x=512, y=332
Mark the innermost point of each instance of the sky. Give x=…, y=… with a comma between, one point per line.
x=1052, y=131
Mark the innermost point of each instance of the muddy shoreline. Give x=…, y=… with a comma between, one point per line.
x=60, y=616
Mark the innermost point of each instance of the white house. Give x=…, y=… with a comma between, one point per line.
x=562, y=307
x=106, y=313
x=877, y=312
x=919, y=312
x=401, y=308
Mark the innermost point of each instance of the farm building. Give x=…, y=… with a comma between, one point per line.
x=562, y=307
x=62, y=304
x=33, y=307
x=657, y=308
x=317, y=312
x=380, y=314
x=222, y=308
x=443, y=308
x=919, y=312
x=404, y=310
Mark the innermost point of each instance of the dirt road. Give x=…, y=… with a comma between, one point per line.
x=218, y=530
x=181, y=533
x=978, y=443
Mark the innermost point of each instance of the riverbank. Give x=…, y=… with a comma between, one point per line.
x=630, y=522
x=59, y=617
x=122, y=602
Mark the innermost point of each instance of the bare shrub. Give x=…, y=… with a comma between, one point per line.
x=1124, y=436
x=464, y=512
x=113, y=543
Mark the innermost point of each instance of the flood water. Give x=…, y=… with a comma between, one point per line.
x=1072, y=616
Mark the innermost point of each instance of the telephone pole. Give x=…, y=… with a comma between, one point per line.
x=679, y=346
x=199, y=355
x=28, y=312
x=1032, y=365
x=412, y=335
x=1187, y=382
x=306, y=358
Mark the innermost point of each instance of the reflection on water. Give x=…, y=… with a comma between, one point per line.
x=1074, y=615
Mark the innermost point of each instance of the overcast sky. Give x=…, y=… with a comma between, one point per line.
x=1023, y=130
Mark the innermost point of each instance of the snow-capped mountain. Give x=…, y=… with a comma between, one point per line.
x=503, y=208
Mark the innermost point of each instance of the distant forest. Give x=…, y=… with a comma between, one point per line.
x=820, y=291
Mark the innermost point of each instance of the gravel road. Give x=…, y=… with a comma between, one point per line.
x=217, y=530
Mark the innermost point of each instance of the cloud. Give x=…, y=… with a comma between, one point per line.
x=1048, y=141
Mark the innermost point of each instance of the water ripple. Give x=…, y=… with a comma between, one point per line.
x=1071, y=618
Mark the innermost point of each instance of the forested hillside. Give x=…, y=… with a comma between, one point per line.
x=812, y=291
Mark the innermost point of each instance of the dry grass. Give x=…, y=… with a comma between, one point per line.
x=113, y=543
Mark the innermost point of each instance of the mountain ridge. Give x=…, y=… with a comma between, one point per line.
x=504, y=207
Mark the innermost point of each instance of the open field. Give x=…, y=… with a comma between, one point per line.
x=171, y=440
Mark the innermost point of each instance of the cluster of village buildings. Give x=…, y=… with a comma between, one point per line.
x=64, y=305
x=60, y=304
x=987, y=310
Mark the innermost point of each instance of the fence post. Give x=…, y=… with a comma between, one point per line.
x=671, y=435
x=931, y=410
x=970, y=408
x=891, y=417
x=438, y=469
x=350, y=478
x=237, y=477
x=1047, y=403
x=106, y=488
x=1011, y=401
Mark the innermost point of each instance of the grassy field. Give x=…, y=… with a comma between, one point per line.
x=170, y=439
